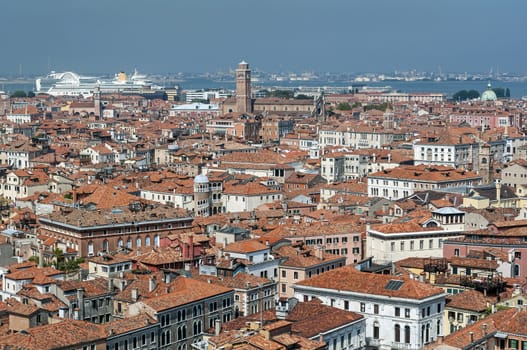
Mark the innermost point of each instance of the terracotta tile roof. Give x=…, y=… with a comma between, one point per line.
x=107, y=197
x=295, y=256
x=246, y=246
x=183, y=291
x=347, y=278
x=107, y=216
x=511, y=321
x=470, y=300
x=403, y=227
x=55, y=336
x=241, y=281
x=312, y=318
x=18, y=308
x=92, y=288
x=248, y=189
x=129, y=324
x=33, y=272
x=425, y=173
x=474, y=263
x=158, y=256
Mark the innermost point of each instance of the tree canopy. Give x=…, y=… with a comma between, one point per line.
x=19, y=93
x=463, y=95
x=343, y=106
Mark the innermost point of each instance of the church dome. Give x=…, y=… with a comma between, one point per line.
x=489, y=94
x=201, y=179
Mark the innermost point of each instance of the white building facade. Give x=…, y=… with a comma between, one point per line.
x=396, y=317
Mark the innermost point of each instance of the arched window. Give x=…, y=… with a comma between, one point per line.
x=129, y=243
x=120, y=243
x=156, y=241
x=397, y=333
x=428, y=332
x=407, y=334
x=105, y=245
x=138, y=242
x=90, y=248
x=147, y=241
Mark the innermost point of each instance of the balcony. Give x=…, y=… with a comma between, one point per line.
x=373, y=342
x=403, y=346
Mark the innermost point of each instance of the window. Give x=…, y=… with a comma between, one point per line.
x=397, y=333
x=431, y=243
x=295, y=275
x=407, y=334
x=407, y=313
x=397, y=311
x=392, y=246
x=347, y=304
x=513, y=344
x=517, y=255
x=376, y=331
x=421, y=244
x=362, y=307
x=283, y=273
x=375, y=308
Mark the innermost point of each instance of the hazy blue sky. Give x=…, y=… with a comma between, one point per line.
x=157, y=36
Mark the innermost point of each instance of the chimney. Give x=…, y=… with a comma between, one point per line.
x=318, y=253
x=40, y=256
x=80, y=300
x=217, y=327
x=134, y=294
x=498, y=190
x=471, y=335
x=151, y=284
x=185, y=250
x=190, y=247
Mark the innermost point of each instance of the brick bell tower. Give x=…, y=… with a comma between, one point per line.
x=243, y=88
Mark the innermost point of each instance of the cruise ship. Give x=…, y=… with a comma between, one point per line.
x=73, y=84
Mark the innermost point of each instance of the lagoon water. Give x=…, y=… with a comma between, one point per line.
x=518, y=89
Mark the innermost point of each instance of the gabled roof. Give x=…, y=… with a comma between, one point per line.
x=246, y=246
x=348, y=279
x=185, y=290
x=312, y=318
x=509, y=322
